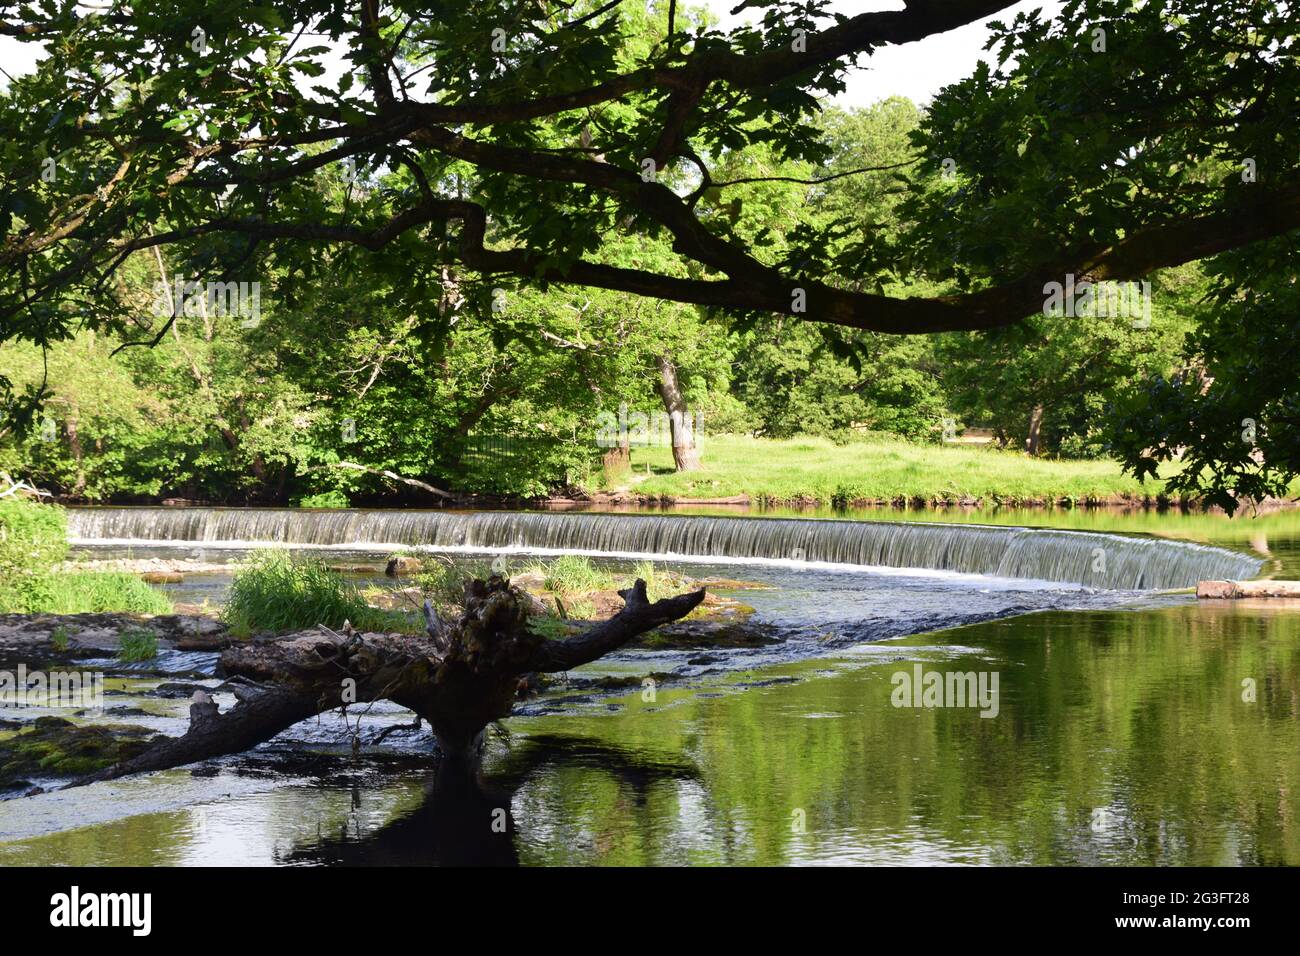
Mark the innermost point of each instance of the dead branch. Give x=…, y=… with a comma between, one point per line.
x=461, y=676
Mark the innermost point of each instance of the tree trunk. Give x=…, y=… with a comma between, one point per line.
x=686, y=454
x=1035, y=429
x=460, y=676
x=74, y=445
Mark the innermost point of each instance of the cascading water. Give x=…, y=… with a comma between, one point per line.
x=1076, y=557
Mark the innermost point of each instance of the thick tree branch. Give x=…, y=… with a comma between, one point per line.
x=262, y=712
x=732, y=277
x=637, y=617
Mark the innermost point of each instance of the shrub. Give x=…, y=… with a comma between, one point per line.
x=33, y=538
x=1081, y=447
x=275, y=592
x=31, y=534
x=326, y=499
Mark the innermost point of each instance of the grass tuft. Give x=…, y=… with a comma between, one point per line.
x=59, y=638
x=574, y=574
x=275, y=592
x=137, y=644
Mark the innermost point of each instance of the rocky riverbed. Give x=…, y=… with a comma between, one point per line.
x=40, y=747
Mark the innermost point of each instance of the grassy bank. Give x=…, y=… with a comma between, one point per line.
x=816, y=468
x=83, y=592
x=33, y=539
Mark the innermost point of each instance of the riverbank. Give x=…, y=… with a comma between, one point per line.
x=809, y=472
x=815, y=471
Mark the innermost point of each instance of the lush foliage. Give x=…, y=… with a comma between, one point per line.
x=1231, y=415
x=466, y=259
x=277, y=592
x=33, y=539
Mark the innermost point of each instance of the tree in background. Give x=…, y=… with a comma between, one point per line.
x=539, y=131
x=1231, y=413
x=1048, y=384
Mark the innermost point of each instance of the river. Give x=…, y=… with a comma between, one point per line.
x=1131, y=727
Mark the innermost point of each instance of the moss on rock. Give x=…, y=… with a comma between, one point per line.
x=55, y=747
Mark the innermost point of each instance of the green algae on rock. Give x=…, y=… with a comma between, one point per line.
x=56, y=747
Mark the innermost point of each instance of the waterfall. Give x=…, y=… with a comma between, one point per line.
x=1084, y=558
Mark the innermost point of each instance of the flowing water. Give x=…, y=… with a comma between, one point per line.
x=1076, y=557
x=1129, y=726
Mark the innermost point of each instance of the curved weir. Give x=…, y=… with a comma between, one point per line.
x=1076, y=557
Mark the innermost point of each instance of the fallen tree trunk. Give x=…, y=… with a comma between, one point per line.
x=460, y=676
x=1248, y=589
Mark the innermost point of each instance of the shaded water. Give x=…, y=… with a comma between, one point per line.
x=1084, y=558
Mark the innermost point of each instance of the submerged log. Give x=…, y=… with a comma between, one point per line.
x=1248, y=589
x=460, y=676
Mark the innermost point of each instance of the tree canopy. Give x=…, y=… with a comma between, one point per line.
x=1109, y=142
x=474, y=150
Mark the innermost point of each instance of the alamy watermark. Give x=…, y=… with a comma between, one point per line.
x=1085, y=299
x=74, y=908
x=922, y=688
x=654, y=428
x=75, y=690
x=193, y=298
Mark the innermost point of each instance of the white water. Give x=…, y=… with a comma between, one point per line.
x=1085, y=559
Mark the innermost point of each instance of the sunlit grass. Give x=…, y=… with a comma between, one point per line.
x=84, y=592
x=574, y=574
x=276, y=592
x=817, y=468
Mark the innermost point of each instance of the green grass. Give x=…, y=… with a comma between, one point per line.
x=276, y=592
x=33, y=537
x=656, y=585
x=137, y=644
x=83, y=592
x=59, y=638
x=818, y=469
x=574, y=574
x=442, y=581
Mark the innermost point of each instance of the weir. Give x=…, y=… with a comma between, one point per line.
x=1084, y=558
